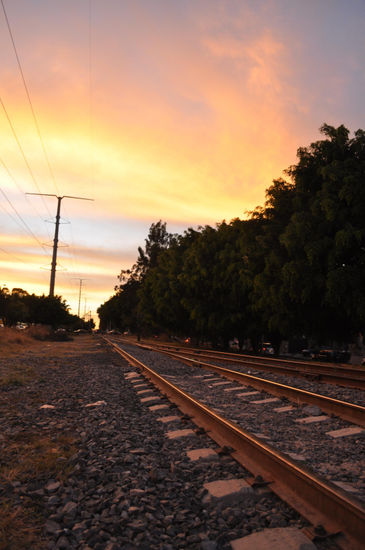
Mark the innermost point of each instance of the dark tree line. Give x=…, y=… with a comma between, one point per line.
x=20, y=306
x=294, y=268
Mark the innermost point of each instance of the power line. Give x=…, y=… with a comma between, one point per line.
x=11, y=176
x=29, y=100
x=12, y=255
x=21, y=219
x=13, y=207
x=22, y=152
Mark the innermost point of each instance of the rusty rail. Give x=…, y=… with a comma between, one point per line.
x=317, y=500
x=347, y=411
x=333, y=374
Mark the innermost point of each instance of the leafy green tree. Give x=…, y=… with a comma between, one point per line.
x=312, y=282
x=48, y=310
x=270, y=300
x=163, y=288
x=295, y=267
x=14, y=309
x=217, y=281
x=124, y=311
x=20, y=306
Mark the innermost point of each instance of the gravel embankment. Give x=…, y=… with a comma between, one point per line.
x=128, y=486
x=340, y=460
x=352, y=395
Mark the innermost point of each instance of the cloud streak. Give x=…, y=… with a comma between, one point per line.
x=183, y=112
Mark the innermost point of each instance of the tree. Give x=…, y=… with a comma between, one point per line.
x=124, y=310
x=48, y=310
x=217, y=282
x=295, y=267
x=13, y=307
x=19, y=305
x=162, y=292
x=313, y=281
x=270, y=300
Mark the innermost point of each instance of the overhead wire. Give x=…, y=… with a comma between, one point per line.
x=28, y=229
x=29, y=99
x=18, y=186
x=35, y=120
x=72, y=255
x=35, y=117
x=13, y=207
x=22, y=153
x=10, y=254
x=38, y=127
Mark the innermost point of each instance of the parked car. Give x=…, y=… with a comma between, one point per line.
x=335, y=356
x=267, y=348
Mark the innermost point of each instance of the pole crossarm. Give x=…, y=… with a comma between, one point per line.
x=57, y=197
x=55, y=240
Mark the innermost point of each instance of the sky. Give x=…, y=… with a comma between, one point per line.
x=179, y=110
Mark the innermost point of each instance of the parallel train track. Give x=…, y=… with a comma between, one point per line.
x=319, y=501
x=343, y=375
x=347, y=411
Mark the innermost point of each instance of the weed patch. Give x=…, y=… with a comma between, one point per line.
x=20, y=526
x=36, y=457
x=27, y=457
x=15, y=376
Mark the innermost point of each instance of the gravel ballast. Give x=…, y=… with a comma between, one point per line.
x=127, y=485
x=303, y=432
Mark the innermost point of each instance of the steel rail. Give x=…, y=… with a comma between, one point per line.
x=347, y=411
x=343, y=376
x=260, y=358
x=317, y=500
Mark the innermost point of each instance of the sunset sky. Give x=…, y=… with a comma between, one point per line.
x=180, y=110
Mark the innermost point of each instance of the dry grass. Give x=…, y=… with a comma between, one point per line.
x=11, y=336
x=29, y=457
x=13, y=340
x=20, y=527
x=16, y=375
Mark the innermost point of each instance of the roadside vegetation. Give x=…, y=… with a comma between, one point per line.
x=18, y=307
x=28, y=457
x=294, y=269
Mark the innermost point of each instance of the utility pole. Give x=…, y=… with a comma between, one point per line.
x=55, y=240
x=78, y=309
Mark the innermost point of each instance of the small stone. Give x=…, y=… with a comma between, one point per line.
x=79, y=527
x=136, y=492
x=52, y=486
x=69, y=508
x=63, y=544
x=208, y=545
x=52, y=527
x=312, y=410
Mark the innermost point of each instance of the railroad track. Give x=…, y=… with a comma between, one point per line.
x=347, y=411
x=321, y=502
x=351, y=377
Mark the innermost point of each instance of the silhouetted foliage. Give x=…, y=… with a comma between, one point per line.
x=20, y=306
x=295, y=268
